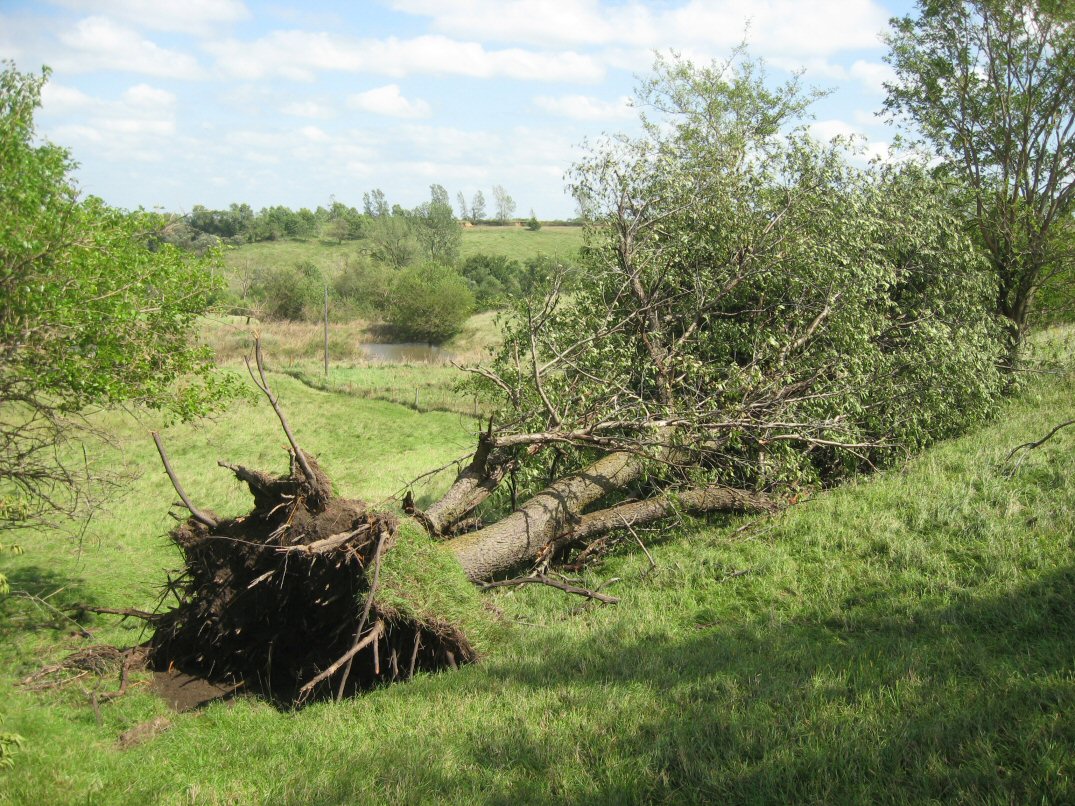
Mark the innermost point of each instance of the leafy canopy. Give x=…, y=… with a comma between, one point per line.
x=95, y=309
x=429, y=302
x=989, y=84
x=750, y=306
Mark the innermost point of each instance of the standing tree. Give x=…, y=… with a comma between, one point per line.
x=438, y=195
x=435, y=228
x=505, y=204
x=989, y=84
x=756, y=316
x=95, y=310
x=477, y=207
x=375, y=204
x=461, y=203
x=391, y=240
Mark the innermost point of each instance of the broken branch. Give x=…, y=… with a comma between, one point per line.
x=263, y=385
x=197, y=514
x=358, y=646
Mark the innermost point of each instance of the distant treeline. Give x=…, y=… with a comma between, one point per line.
x=239, y=223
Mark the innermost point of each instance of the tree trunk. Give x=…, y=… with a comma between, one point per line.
x=518, y=537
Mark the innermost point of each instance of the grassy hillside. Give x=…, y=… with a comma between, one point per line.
x=909, y=637
x=518, y=243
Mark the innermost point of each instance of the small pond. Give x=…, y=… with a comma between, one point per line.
x=406, y=353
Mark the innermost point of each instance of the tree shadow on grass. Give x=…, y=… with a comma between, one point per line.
x=971, y=701
x=43, y=617
x=40, y=599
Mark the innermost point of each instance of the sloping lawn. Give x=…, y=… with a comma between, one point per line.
x=910, y=637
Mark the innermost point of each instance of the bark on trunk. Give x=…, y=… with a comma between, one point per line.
x=518, y=537
x=474, y=485
x=714, y=498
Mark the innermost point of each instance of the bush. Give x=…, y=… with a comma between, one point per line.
x=430, y=303
x=288, y=292
x=365, y=286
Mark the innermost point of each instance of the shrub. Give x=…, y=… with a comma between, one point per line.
x=429, y=302
x=287, y=292
x=365, y=286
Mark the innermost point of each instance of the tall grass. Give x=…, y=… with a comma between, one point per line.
x=909, y=637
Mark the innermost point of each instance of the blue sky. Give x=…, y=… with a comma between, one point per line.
x=218, y=101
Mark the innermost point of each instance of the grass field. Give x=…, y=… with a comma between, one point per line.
x=906, y=638
x=518, y=243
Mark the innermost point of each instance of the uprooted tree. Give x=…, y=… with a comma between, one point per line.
x=753, y=316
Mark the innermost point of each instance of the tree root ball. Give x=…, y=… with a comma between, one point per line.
x=280, y=599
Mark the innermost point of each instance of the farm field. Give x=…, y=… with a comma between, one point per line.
x=908, y=636
x=517, y=243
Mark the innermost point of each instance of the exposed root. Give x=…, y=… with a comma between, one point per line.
x=279, y=599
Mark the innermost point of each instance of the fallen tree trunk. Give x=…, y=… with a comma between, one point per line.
x=518, y=537
x=714, y=498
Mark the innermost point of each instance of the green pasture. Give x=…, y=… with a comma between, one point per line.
x=906, y=638
x=517, y=243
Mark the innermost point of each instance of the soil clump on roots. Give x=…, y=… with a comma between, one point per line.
x=291, y=600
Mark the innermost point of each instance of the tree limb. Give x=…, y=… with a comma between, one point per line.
x=371, y=636
x=197, y=514
x=263, y=385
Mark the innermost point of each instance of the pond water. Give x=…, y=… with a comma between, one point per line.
x=407, y=353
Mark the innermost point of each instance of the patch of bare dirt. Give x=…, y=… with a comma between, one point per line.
x=185, y=692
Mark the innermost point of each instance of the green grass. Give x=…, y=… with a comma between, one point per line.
x=517, y=243
x=909, y=637
x=520, y=244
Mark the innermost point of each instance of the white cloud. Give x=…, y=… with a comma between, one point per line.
x=826, y=130
x=97, y=43
x=307, y=109
x=314, y=134
x=144, y=96
x=776, y=27
x=299, y=55
x=872, y=74
x=191, y=16
x=864, y=149
x=139, y=125
x=584, y=107
x=389, y=101
x=59, y=99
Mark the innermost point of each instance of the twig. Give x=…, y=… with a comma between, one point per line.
x=541, y=579
x=371, y=636
x=634, y=534
x=39, y=602
x=1030, y=446
x=117, y=611
x=414, y=653
x=366, y=610
x=735, y=574
x=195, y=513
x=263, y=385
